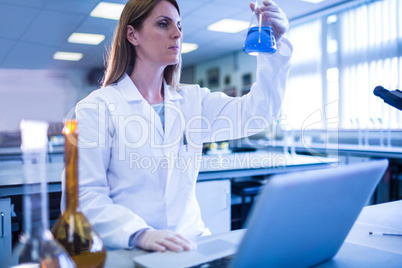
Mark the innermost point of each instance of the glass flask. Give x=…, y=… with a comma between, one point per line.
x=37, y=246
x=260, y=36
x=72, y=229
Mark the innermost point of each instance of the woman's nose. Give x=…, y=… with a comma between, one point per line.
x=177, y=32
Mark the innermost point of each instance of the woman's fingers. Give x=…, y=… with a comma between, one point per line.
x=185, y=243
x=157, y=247
x=252, y=7
x=273, y=13
x=170, y=244
x=162, y=240
x=176, y=243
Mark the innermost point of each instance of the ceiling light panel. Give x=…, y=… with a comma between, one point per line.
x=188, y=47
x=313, y=1
x=107, y=11
x=228, y=26
x=84, y=38
x=69, y=56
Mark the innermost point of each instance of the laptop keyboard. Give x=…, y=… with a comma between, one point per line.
x=222, y=262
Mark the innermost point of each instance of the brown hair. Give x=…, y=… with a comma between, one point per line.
x=122, y=53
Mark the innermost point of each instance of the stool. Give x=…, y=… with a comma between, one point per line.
x=246, y=189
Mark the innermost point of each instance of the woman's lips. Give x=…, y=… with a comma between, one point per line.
x=175, y=47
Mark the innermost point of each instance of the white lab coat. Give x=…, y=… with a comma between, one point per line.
x=135, y=175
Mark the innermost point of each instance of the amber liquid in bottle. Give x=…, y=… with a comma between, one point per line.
x=72, y=229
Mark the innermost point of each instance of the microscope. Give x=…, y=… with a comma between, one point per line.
x=393, y=98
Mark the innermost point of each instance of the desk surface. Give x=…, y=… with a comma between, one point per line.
x=261, y=162
x=363, y=250
x=359, y=249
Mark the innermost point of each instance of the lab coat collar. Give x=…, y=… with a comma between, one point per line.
x=128, y=89
x=132, y=94
x=170, y=92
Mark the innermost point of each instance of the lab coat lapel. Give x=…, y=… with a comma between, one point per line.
x=174, y=118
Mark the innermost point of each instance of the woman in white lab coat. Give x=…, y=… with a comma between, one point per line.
x=141, y=134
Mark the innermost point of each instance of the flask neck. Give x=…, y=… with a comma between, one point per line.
x=71, y=162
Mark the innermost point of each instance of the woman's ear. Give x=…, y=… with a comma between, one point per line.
x=131, y=35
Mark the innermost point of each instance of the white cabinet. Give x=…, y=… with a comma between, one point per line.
x=5, y=229
x=214, y=200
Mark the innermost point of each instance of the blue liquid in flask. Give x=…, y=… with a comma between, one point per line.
x=256, y=42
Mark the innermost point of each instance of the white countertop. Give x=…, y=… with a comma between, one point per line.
x=258, y=159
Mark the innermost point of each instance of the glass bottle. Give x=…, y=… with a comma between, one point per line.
x=72, y=229
x=260, y=36
x=37, y=246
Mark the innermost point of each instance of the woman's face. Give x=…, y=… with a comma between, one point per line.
x=159, y=39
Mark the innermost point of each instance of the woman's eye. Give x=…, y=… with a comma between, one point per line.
x=163, y=24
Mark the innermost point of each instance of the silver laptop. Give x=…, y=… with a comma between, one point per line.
x=300, y=219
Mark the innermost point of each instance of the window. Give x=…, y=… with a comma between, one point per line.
x=303, y=97
x=338, y=60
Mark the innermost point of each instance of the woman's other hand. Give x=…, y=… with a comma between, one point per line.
x=274, y=14
x=162, y=240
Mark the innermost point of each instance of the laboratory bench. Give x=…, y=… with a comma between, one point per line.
x=347, y=151
x=221, y=209
x=220, y=172
x=213, y=167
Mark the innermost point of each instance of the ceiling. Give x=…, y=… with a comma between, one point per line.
x=31, y=31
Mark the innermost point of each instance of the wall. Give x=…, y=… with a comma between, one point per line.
x=187, y=75
x=38, y=95
x=234, y=65
x=49, y=94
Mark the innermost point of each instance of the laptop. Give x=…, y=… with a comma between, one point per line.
x=300, y=219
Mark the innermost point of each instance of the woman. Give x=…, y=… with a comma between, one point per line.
x=141, y=135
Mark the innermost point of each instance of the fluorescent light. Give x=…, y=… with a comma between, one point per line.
x=313, y=1
x=84, y=38
x=107, y=11
x=71, y=56
x=228, y=26
x=188, y=47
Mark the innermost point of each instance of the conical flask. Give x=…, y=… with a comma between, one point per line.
x=37, y=246
x=72, y=229
x=260, y=36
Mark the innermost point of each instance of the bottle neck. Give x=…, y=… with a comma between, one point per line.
x=71, y=162
x=35, y=193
